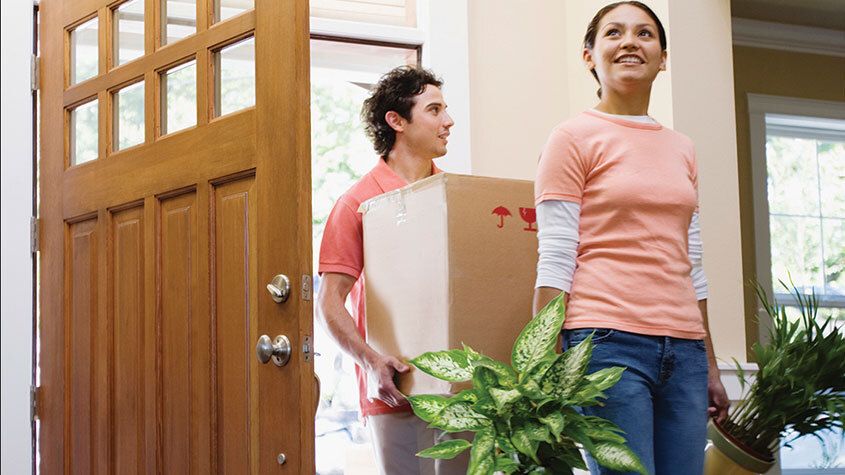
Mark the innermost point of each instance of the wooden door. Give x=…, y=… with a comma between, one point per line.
x=162, y=220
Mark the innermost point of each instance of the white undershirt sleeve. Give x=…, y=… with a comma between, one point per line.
x=696, y=254
x=557, y=223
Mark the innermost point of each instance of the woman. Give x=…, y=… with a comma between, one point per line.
x=617, y=210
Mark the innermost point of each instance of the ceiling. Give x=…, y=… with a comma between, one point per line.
x=818, y=13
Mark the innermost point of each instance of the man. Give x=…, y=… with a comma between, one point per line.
x=406, y=119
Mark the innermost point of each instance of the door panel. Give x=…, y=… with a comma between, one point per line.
x=125, y=341
x=154, y=257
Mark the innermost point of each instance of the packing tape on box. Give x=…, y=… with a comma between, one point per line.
x=401, y=210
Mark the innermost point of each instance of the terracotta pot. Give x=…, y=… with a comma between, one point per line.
x=728, y=456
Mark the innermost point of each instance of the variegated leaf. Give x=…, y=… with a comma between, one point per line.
x=458, y=417
x=469, y=395
x=472, y=355
x=617, y=457
x=524, y=443
x=505, y=464
x=555, y=421
x=483, y=466
x=504, y=373
x=607, y=377
x=562, y=377
x=481, y=458
x=484, y=378
x=445, y=450
x=485, y=406
x=539, y=370
x=537, y=431
x=602, y=435
x=504, y=397
x=538, y=338
x=450, y=365
x=428, y=406
x=530, y=389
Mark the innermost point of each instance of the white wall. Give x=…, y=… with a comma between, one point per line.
x=16, y=175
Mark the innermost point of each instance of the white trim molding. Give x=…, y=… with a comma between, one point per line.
x=780, y=36
x=730, y=379
x=367, y=31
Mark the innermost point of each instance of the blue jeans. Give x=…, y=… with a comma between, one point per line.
x=661, y=400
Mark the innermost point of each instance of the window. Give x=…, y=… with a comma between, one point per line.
x=798, y=168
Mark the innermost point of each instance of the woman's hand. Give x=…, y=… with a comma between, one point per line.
x=717, y=396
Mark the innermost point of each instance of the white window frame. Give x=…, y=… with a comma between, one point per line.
x=758, y=106
x=442, y=33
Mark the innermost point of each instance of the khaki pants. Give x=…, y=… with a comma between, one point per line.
x=398, y=437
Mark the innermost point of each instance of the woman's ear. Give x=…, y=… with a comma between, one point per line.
x=587, y=56
x=663, y=57
x=395, y=121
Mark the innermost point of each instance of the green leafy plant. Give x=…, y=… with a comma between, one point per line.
x=522, y=414
x=800, y=384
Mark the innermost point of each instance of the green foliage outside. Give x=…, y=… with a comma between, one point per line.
x=806, y=194
x=523, y=414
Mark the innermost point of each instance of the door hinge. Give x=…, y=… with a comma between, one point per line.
x=34, y=72
x=34, y=234
x=306, y=287
x=33, y=402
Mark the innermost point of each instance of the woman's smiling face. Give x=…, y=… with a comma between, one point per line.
x=627, y=49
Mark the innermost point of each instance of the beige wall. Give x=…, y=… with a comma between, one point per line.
x=526, y=76
x=777, y=73
x=519, y=83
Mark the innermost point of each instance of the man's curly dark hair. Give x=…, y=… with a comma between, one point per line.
x=396, y=91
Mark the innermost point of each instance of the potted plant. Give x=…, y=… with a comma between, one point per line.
x=799, y=387
x=522, y=414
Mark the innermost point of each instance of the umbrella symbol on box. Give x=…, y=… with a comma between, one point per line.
x=529, y=215
x=501, y=211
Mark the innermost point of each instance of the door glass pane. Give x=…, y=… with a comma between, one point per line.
x=84, y=58
x=225, y=9
x=128, y=31
x=178, y=19
x=129, y=116
x=235, y=82
x=179, y=97
x=84, y=137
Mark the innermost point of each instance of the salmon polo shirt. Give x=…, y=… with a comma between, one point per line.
x=342, y=251
x=637, y=187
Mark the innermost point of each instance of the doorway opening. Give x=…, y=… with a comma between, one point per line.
x=342, y=72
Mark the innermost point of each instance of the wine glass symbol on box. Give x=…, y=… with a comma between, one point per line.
x=529, y=215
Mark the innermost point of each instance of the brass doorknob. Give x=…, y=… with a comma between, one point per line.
x=278, y=350
x=279, y=288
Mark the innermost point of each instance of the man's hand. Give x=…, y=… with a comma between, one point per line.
x=381, y=369
x=717, y=397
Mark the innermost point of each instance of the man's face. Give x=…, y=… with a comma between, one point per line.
x=427, y=133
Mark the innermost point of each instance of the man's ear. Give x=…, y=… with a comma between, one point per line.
x=395, y=121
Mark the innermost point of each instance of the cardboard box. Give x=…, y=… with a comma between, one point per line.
x=449, y=259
